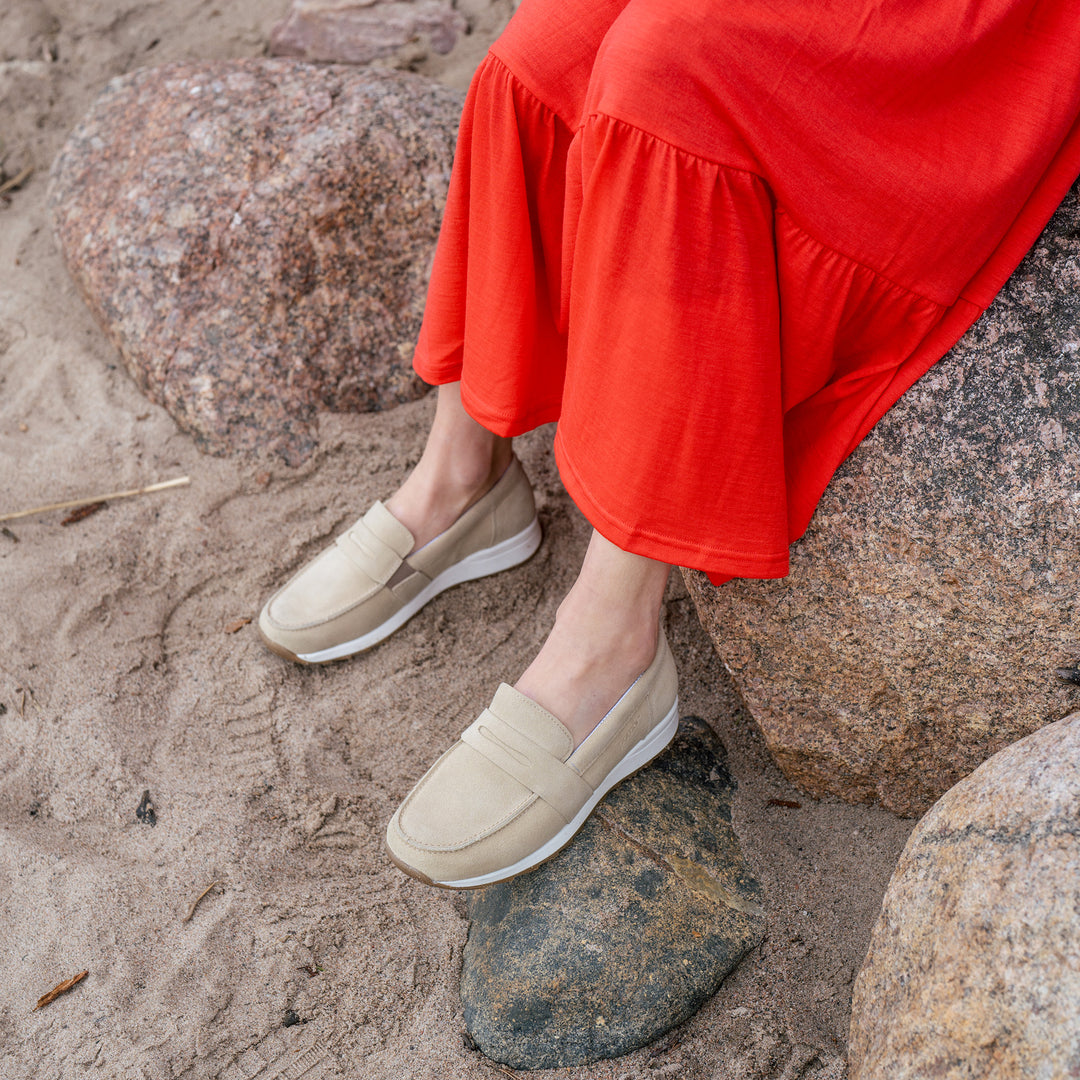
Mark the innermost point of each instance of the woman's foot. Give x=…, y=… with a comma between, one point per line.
x=524, y=777
x=604, y=637
x=513, y=790
x=466, y=511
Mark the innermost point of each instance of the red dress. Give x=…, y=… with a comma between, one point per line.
x=716, y=241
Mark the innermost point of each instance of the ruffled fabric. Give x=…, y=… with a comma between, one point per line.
x=495, y=286
x=674, y=324
x=678, y=255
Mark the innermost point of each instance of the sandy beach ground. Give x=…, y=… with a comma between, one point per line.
x=119, y=674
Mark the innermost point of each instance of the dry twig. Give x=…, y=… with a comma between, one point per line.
x=180, y=481
x=500, y=1068
x=195, y=902
x=17, y=180
x=56, y=991
x=237, y=624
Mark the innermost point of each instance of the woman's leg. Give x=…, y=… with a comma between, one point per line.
x=605, y=635
x=605, y=629
x=460, y=463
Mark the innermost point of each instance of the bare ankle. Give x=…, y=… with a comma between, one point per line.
x=471, y=475
x=461, y=462
x=627, y=630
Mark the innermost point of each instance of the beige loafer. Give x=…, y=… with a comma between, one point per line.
x=369, y=581
x=513, y=791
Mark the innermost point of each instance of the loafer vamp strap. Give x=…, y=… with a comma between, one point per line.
x=377, y=544
x=560, y=786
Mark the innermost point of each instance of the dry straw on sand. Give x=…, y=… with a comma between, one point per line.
x=91, y=500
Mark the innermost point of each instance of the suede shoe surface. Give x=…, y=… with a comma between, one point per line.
x=513, y=791
x=369, y=581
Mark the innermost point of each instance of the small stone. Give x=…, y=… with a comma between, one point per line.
x=938, y=580
x=255, y=237
x=145, y=810
x=974, y=965
x=1070, y=674
x=360, y=31
x=627, y=931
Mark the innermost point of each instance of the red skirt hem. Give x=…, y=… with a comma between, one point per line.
x=710, y=362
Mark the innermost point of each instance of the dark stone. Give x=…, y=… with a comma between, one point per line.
x=145, y=810
x=255, y=237
x=938, y=588
x=627, y=931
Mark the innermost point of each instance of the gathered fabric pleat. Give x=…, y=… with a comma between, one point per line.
x=717, y=242
x=494, y=295
x=699, y=436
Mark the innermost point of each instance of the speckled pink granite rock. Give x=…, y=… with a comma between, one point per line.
x=974, y=965
x=937, y=588
x=359, y=31
x=255, y=237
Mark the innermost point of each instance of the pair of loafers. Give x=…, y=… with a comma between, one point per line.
x=512, y=790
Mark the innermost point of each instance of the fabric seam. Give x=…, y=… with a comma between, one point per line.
x=493, y=55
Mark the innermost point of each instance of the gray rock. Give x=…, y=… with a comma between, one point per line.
x=936, y=590
x=627, y=931
x=359, y=31
x=255, y=237
x=974, y=965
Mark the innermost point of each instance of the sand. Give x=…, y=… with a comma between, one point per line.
x=122, y=670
